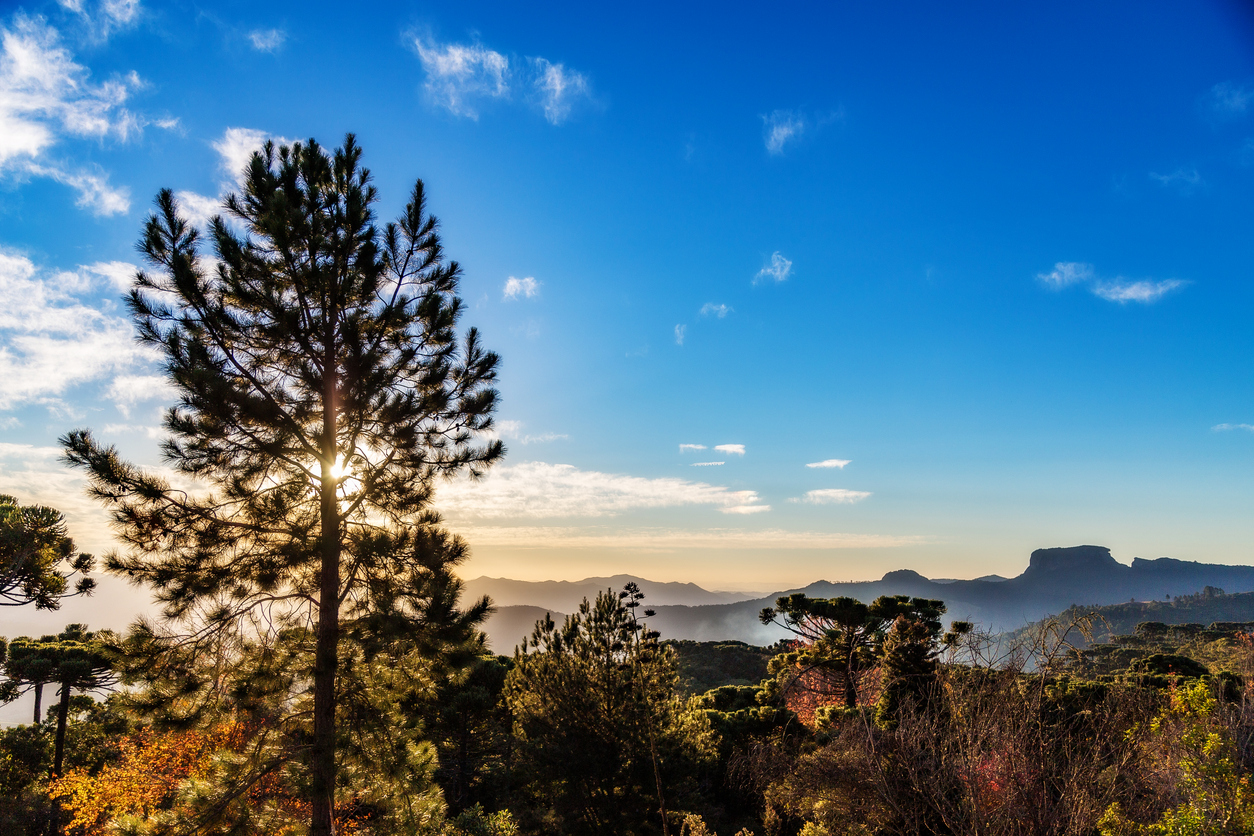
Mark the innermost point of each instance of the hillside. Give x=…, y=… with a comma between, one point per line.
x=1209, y=606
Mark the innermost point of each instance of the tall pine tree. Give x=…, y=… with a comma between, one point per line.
x=322, y=389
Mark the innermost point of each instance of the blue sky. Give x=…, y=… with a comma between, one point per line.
x=995, y=259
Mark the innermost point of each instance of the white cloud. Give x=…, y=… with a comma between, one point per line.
x=833, y=496
x=1065, y=274
x=52, y=339
x=267, y=40
x=109, y=16
x=119, y=274
x=460, y=74
x=539, y=489
x=684, y=448
x=1227, y=427
x=708, y=464
x=513, y=430
x=559, y=88
x=126, y=390
x=46, y=96
x=777, y=270
x=526, y=287
x=197, y=208
x=36, y=477
x=94, y=191
x=128, y=429
x=680, y=331
x=1144, y=292
x=780, y=128
x=731, y=449
x=717, y=310
x=1184, y=180
x=839, y=464
x=462, y=77
x=746, y=509
x=1229, y=100
x=120, y=12
x=236, y=148
x=591, y=537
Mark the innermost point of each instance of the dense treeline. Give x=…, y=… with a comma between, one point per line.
x=586, y=729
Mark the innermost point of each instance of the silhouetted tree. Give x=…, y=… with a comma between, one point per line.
x=322, y=389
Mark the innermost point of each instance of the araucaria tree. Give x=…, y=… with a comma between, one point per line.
x=322, y=388
x=37, y=557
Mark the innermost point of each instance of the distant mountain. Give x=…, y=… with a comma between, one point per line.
x=508, y=625
x=1054, y=580
x=566, y=595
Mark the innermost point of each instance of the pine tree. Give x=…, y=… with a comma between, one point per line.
x=322, y=389
x=37, y=557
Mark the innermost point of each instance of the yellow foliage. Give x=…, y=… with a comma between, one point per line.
x=146, y=775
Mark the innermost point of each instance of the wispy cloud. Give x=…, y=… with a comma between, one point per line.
x=513, y=430
x=198, y=208
x=1119, y=289
x=235, y=150
x=559, y=89
x=778, y=269
x=684, y=448
x=1228, y=427
x=146, y=430
x=459, y=75
x=708, y=464
x=1065, y=274
x=1229, y=100
x=35, y=475
x=104, y=18
x=832, y=496
x=54, y=333
x=462, y=77
x=539, y=489
x=267, y=40
x=709, y=308
x=527, y=288
x=1144, y=292
x=680, y=331
x=92, y=185
x=127, y=390
x=46, y=97
x=731, y=449
x=839, y=464
x=1184, y=180
x=585, y=537
x=781, y=127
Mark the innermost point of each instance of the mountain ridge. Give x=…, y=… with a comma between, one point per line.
x=1055, y=579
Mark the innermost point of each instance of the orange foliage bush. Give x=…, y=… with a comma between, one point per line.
x=151, y=768
x=145, y=777
x=810, y=690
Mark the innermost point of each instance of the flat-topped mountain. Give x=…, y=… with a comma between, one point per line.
x=1054, y=580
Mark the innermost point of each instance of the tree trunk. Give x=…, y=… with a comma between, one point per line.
x=39, y=700
x=63, y=716
x=322, y=766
